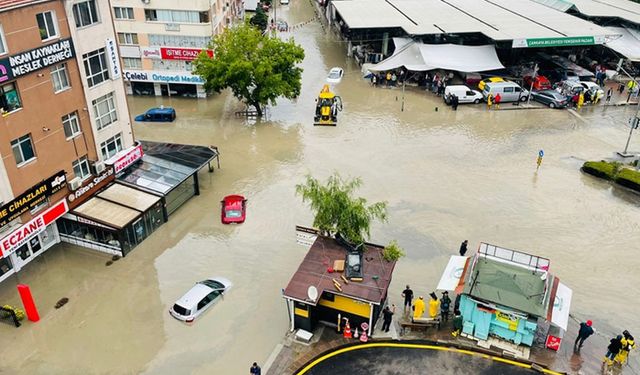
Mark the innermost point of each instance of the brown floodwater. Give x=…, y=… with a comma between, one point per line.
x=447, y=176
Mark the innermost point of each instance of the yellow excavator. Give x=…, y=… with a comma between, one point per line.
x=328, y=105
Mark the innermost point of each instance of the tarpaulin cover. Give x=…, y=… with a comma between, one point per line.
x=416, y=56
x=561, y=306
x=452, y=273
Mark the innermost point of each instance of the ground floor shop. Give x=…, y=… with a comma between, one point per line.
x=164, y=83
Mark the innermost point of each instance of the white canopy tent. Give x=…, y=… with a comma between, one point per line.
x=628, y=45
x=416, y=56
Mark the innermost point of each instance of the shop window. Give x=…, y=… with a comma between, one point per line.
x=104, y=110
x=95, y=67
x=85, y=13
x=123, y=13
x=23, y=252
x=173, y=16
x=111, y=146
x=81, y=168
x=128, y=38
x=3, y=42
x=47, y=25
x=60, y=78
x=35, y=244
x=132, y=62
x=23, y=149
x=9, y=98
x=5, y=266
x=71, y=125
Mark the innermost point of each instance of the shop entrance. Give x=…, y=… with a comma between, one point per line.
x=23, y=256
x=143, y=88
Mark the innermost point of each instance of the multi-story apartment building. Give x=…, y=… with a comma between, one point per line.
x=63, y=113
x=159, y=39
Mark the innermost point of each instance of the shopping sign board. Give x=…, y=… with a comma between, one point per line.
x=557, y=42
x=124, y=159
x=187, y=54
x=19, y=237
x=32, y=198
x=89, y=187
x=38, y=58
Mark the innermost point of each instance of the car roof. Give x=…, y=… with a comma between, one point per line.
x=166, y=110
x=458, y=87
x=336, y=69
x=194, y=295
x=551, y=92
x=233, y=198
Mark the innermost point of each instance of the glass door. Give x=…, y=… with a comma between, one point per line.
x=23, y=256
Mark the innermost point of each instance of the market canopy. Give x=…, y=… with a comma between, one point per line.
x=416, y=56
x=628, y=45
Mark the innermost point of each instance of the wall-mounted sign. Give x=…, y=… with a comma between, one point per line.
x=187, y=54
x=151, y=53
x=114, y=59
x=89, y=187
x=162, y=76
x=124, y=159
x=557, y=42
x=38, y=224
x=32, y=197
x=36, y=59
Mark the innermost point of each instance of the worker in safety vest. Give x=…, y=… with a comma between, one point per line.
x=434, y=306
x=418, y=308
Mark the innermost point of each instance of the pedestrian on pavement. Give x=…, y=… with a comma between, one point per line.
x=434, y=306
x=457, y=323
x=388, y=78
x=584, y=332
x=580, y=100
x=463, y=247
x=407, y=294
x=255, y=369
x=445, y=302
x=454, y=102
x=615, y=344
x=440, y=88
x=418, y=308
x=609, y=94
x=394, y=79
x=489, y=100
x=387, y=315
x=621, y=88
x=497, y=100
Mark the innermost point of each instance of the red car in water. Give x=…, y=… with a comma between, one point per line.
x=539, y=83
x=233, y=209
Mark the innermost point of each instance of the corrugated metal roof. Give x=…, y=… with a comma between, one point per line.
x=8, y=4
x=561, y=5
x=623, y=9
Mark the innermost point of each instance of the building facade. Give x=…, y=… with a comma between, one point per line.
x=159, y=40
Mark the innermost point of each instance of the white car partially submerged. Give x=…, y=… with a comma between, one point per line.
x=202, y=296
x=335, y=75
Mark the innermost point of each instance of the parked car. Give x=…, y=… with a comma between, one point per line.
x=464, y=94
x=472, y=79
x=161, y=114
x=198, y=299
x=509, y=91
x=571, y=88
x=482, y=83
x=593, y=87
x=335, y=75
x=284, y=2
x=233, y=209
x=552, y=98
x=539, y=82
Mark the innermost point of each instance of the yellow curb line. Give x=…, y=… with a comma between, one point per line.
x=418, y=346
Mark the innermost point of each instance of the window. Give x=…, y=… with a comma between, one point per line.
x=60, y=78
x=104, y=109
x=123, y=13
x=71, y=125
x=128, y=38
x=95, y=67
x=132, y=62
x=178, y=41
x=9, y=98
x=47, y=25
x=23, y=149
x=81, y=168
x=508, y=89
x=3, y=43
x=85, y=13
x=111, y=146
x=176, y=16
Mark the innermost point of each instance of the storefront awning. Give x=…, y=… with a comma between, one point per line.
x=561, y=306
x=165, y=165
x=129, y=197
x=452, y=273
x=628, y=45
x=416, y=56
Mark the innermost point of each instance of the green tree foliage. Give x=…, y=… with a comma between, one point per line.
x=392, y=251
x=260, y=19
x=257, y=68
x=337, y=210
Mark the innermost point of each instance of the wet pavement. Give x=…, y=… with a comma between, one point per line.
x=447, y=176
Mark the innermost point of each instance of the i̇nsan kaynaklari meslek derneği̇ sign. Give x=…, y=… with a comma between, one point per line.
x=38, y=58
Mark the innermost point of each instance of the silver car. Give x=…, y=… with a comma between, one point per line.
x=202, y=296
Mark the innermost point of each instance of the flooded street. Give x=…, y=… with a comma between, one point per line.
x=447, y=176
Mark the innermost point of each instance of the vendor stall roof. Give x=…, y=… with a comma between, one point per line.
x=313, y=272
x=628, y=45
x=623, y=9
x=106, y=212
x=129, y=197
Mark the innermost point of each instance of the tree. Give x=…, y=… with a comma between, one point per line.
x=260, y=19
x=337, y=211
x=257, y=68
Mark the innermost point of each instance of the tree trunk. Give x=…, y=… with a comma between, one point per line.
x=258, y=108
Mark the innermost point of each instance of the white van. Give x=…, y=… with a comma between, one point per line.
x=464, y=94
x=509, y=91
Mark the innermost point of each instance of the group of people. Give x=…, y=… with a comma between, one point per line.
x=438, y=83
x=618, y=349
x=388, y=79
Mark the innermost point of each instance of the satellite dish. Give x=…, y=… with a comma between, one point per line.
x=312, y=293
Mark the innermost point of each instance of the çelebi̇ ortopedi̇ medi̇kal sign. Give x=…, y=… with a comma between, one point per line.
x=32, y=197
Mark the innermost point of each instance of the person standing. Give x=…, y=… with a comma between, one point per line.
x=457, y=323
x=584, y=332
x=255, y=369
x=628, y=343
x=609, y=94
x=394, y=79
x=407, y=294
x=454, y=102
x=615, y=344
x=445, y=302
x=434, y=306
x=418, y=308
x=388, y=78
x=387, y=315
x=489, y=100
x=463, y=247
x=497, y=100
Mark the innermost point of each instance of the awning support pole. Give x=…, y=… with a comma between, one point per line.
x=370, y=319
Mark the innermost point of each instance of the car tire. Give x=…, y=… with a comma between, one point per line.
x=477, y=101
x=524, y=98
x=552, y=105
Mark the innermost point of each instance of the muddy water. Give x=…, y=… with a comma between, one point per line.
x=447, y=176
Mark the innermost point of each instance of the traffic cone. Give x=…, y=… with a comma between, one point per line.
x=347, y=331
x=363, y=336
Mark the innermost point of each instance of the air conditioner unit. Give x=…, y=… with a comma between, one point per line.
x=75, y=184
x=99, y=167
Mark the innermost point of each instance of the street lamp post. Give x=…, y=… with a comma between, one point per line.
x=633, y=121
x=533, y=79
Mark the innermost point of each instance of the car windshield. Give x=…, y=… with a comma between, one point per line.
x=233, y=213
x=212, y=284
x=181, y=310
x=334, y=74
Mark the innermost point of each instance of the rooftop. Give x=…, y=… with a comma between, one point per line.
x=9, y=4
x=313, y=272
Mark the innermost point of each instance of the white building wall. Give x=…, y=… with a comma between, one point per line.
x=5, y=186
x=90, y=38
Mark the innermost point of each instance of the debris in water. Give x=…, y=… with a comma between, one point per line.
x=63, y=301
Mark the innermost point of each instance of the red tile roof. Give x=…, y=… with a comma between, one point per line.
x=5, y=4
x=322, y=254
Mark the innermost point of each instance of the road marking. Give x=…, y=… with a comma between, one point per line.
x=419, y=346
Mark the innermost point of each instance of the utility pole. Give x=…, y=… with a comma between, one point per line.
x=533, y=79
x=633, y=121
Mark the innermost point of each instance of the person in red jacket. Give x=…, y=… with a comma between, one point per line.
x=497, y=100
